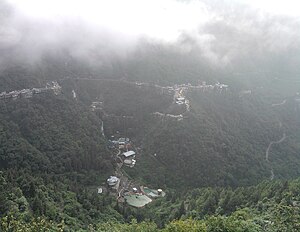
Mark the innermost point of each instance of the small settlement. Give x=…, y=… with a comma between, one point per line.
x=127, y=191
x=125, y=155
x=129, y=158
x=179, y=91
x=96, y=105
x=217, y=87
x=28, y=93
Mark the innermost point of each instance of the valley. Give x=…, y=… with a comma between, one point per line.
x=190, y=130
x=149, y=116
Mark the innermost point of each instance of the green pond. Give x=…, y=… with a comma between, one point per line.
x=153, y=193
x=137, y=200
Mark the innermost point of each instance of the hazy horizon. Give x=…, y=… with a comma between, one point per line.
x=220, y=32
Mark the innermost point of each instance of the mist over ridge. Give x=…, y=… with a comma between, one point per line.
x=225, y=34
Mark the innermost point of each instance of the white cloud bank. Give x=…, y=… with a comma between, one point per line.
x=165, y=19
x=219, y=30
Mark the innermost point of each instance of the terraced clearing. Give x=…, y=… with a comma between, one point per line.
x=136, y=200
x=153, y=193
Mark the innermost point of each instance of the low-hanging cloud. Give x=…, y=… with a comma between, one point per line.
x=221, y=32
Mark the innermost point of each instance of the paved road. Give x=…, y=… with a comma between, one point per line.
x=268, y=151
x=275, y=142
x=279, y=104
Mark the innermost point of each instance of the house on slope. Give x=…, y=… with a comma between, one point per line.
x=129, y=154
x=112, y=181
x=128, y=158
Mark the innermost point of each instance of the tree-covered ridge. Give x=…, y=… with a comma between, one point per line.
x=222, y=141
x=119, y=97
x=66, y=136
x=53, y=156
x=225, y=131
x=269, y=206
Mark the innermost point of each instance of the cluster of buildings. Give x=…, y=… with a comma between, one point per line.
x=218, y=87
x=180, y=100
x=97, y=105
x=169, y=90
x=122, y=144
x=28, y=93
x=127, y=191
x=128, y=158
x=130, y=193
x=126, y=154
x=168, y=116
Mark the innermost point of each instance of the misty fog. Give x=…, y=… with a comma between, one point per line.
x=231, y=35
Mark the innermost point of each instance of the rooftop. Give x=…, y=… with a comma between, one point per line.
x=112, y=179
x=128, y=153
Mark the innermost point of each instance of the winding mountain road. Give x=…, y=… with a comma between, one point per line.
x=275, y=142
x=279, y=104
x=268, y=151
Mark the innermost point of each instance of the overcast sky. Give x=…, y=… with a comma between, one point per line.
x=221, y=30
x=164, y=19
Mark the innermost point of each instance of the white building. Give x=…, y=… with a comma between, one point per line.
x=179, y=102
x=123, y=141
x=112, y=180
x=74, y=93
x=130, y=162
x=129, y=154
x=180, y=99
x=100, y=190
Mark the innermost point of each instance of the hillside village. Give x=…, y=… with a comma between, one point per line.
x=124, y=153
x=180, y=99
x=29, y=93
x=120, y=185
x=218, y=87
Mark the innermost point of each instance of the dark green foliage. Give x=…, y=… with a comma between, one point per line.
x=222, y=141
x=51, y=133
x=53, y=157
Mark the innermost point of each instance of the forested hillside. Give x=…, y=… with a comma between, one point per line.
x=54, y=156
x=52, y=159
x=269, y=206
x=222, y=141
